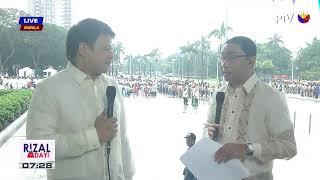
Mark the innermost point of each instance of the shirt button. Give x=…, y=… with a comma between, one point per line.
x=232, y=111
x=229, y=127
x=235, y=96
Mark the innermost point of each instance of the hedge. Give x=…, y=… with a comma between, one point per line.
x=5, y=91
x=12, y=105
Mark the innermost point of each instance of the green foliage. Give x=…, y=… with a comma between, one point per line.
x=39, y=50
x=312, y=74
x=12, y=105
x=33, y=49
x=45, y=47
x=278, y=57
x=308, y=61
x=5, y=91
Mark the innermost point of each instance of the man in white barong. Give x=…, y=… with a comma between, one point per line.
x=255, y=124
x=69, y=108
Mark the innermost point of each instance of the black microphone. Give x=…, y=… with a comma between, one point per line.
x=111, y=94
x=219, y=99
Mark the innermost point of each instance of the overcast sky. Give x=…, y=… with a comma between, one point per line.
x=142, y=25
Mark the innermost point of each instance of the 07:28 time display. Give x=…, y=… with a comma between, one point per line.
x=47, y=165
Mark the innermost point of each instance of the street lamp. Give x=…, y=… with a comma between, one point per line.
x=130, y=68
x=219, y=50
x=292, y=68
x=172, y=67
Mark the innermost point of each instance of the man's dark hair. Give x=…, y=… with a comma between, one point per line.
x=245, y=43
x=86, y=31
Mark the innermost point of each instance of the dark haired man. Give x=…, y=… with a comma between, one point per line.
x=255, y=125
x=69, y=108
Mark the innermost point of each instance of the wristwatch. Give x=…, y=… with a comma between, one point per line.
x=249, y=149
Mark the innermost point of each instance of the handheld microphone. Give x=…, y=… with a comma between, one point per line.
x=111, y=94
x=219, y=99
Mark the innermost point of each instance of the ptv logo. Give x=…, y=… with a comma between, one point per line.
x=285, y=18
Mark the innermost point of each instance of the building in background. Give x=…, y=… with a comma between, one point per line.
x=53, y=11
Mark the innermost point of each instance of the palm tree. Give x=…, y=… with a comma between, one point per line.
x=153, y=58
x=187, y=51
x=276, y=40
x=220, y=34
x=118, y=49
x=139, y=60
x=128, y=63
x=196, y=48
x=203, y=46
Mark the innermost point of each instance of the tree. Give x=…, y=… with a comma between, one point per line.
x=221, y=35
x=266, y=68
x=6, y=48
x=9, y=36
x=275, y=52
x=136, y=64
x=279, y=54
x=128, y=63
x=203, y=48
x=308, y=61
x=37, y=46
x=276, y=40
x=34, y=49
x=153, y=58
x=118, y=50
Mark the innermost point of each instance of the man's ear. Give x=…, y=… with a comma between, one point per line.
x=252, y=60
x=83, y=49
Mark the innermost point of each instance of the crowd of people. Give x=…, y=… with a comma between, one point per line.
x=148, y=87
x=186, y=89
x=303, y=88
x=197, y=90
x=201, y=90
x=13, y=82
x=143, y=87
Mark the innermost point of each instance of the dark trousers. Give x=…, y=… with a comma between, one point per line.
x=185, y=101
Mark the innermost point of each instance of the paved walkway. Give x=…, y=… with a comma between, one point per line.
x=169, y=130
x=9, y=164
x=296, y=96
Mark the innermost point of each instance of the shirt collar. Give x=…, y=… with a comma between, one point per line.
x=247, y=86
x=250, y=83
x=77, y=74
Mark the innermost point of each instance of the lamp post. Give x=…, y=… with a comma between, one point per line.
x=172, y=67
x=292, y=68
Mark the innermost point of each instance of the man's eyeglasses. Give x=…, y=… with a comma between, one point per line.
x=231, y=57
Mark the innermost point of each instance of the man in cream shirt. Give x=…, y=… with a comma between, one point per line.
x=255, y=125
x=69, y=108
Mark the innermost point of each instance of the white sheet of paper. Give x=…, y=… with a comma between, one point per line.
x=199, y=160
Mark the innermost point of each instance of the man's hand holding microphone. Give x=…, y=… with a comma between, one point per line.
x=212, y=128
x=107, y=128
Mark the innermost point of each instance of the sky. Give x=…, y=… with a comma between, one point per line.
x=142, y=25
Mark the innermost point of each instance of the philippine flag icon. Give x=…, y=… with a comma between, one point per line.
x=304, y=17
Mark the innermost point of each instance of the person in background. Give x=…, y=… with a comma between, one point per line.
x=190, y=141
